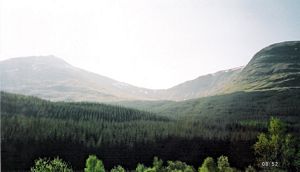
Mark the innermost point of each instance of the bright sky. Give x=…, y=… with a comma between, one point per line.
x=147, y=43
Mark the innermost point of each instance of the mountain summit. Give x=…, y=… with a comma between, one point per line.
x=52, y=78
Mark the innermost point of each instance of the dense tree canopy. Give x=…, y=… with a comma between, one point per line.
x=208, y=165
x=93, y=164
x=277, y=149
x=47, y=165
x=33, y=128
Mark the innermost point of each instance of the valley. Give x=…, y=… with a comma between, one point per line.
x=50, y=108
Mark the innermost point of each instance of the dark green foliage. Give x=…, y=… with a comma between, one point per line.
x=32, y=128
x=35, y=107
x=118, y=169
x=172, y=166
x=276, y=146
x=208, y=165
x=178, y=166
x=93, y=164
x=223, y=164
x=47, y=165
x=140, y=168
x=297, y=160
x=288, y=152
x=250, y=169
x=257, y=106
x=157, y=164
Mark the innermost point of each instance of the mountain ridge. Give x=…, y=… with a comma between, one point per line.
x=23, y=75
x=274, y=67
x=61, y=76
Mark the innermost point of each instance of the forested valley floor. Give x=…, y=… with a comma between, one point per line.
x=33, y=128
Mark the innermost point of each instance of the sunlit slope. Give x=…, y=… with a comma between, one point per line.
x=268, y=85
x=274, y=67
x=203, y=86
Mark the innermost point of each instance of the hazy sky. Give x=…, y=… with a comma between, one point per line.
x=148, y=43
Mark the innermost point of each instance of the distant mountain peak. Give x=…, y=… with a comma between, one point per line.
x=46, y=58
x=37, y=62
x=274, y=67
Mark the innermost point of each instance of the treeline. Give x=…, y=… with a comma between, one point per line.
x=35, y=107
x=232, y=106
x=93, y=164
x=32, y=128
x=276, y=150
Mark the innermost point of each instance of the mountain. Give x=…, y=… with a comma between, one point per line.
x=274, y=67
x=202, y=86
x=268, y=85
x=52, y=78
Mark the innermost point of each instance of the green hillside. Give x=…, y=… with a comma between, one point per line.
x=203, y=86
x=269, y=84
x=255, y=105
x=274, y=67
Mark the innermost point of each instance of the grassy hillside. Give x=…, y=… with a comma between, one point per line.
x=269, y=84
x=274, y=67
x=203, y=86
